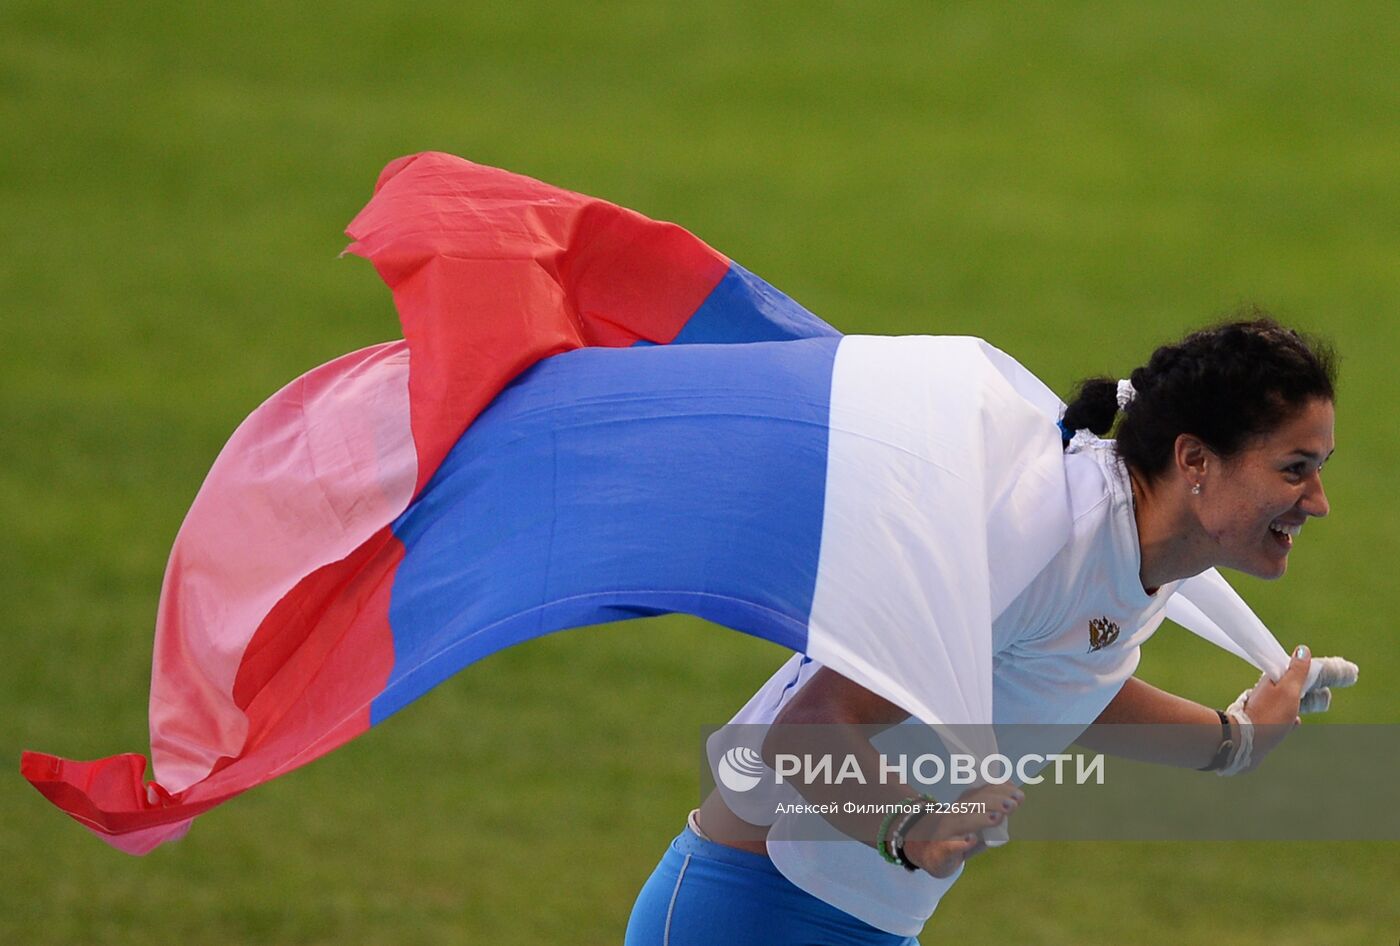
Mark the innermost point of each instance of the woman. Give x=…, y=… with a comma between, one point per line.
x=594, y=416
x=1217, y=462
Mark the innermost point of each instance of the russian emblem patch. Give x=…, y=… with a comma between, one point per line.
x=1102, y=632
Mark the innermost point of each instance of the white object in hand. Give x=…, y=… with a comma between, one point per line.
x=1325, y=673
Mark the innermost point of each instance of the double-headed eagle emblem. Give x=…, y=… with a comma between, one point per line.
x=1102, y=632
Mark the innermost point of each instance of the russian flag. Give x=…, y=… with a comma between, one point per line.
x=592, y=416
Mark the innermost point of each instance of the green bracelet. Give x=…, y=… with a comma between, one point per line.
x=880, y=844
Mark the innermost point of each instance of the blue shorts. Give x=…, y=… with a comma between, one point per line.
x=707, y=894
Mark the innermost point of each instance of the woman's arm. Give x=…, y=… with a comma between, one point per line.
x=1190, y=744
x=832, y=715
x=1195, y=733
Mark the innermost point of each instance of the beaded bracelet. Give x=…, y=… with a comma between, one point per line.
x=890, y=842
x=896, y=843
x=880, y=844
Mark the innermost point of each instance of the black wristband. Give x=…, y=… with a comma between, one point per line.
x=1227, y=746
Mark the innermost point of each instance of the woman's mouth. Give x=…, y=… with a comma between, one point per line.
x=1283, y=533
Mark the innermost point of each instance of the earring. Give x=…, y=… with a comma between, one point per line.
x=1196, y=490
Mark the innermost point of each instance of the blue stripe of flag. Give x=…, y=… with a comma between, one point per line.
x=744, y=308
x=614, y=483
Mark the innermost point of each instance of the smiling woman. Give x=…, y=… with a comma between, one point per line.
x=1224, y=435
x=1221, y=439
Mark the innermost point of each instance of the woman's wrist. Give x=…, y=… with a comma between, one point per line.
x=1236, y=730
x=895, y=827
x=1225, y=747
x=1243, y=728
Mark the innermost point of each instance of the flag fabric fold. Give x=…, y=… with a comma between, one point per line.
x=592, y=416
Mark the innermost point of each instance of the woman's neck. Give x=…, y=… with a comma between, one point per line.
x=1164, y=529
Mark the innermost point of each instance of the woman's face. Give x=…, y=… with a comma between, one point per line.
x=1253, y=506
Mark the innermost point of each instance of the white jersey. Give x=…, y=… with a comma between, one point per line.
x=1062, y=650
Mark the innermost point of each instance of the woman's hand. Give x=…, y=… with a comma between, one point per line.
x=1273, y=707
x=940, y=844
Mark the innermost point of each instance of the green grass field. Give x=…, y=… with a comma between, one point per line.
x=1075, y=182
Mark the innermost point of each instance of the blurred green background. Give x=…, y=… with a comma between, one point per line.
x=1074, y=181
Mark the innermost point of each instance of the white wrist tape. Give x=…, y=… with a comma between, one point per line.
x=1244, y=746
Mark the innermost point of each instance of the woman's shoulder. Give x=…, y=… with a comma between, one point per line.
x=1096, y=480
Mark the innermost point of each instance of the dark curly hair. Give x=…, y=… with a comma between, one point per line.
x=1227, y=385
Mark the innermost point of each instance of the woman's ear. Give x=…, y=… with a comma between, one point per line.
x=1193, y=460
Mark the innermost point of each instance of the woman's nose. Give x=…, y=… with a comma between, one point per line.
x=1314, y=502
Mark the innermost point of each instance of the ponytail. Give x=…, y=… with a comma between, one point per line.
x=1094, y=407
x=1226, y=385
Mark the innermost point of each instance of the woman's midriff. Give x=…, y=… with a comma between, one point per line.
x=724, y=827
